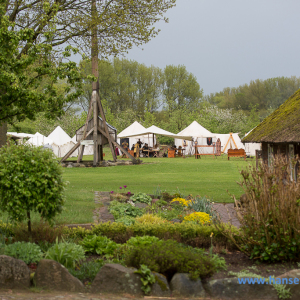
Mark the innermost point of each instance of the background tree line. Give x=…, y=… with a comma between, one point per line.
x=170, y=98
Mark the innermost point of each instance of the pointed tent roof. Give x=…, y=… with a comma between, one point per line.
x=131, y=129
x=196, y=130
x=59, y=136
x=39, y=140
x=282, y=126
x=156, y=130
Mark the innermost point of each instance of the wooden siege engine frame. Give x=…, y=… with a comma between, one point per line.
x=96, y=107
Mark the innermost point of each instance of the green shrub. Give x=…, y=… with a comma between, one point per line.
x=67, y=254
x=40, y=232
x=28, y=252
x=190, y=234
x=141, y=197
x=169, y=257
x=30, y=180
x=126, y=220
x=87, y=270
x=270, y=218
x=119, y=210
x=98, y=244
x=142, y=240
x=203, y=205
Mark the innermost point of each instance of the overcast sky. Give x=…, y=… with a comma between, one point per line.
x=227, y=42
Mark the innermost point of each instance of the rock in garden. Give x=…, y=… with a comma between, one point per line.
x=76, y=165
x=53, y=276
x=230, y=288
x=70, y=166
x=294, y=288
x=154, y=200
x=114, y=278
x=140, y=205
x=182, y=285
x=161, y=287
x=14, y=273
x=176, y=221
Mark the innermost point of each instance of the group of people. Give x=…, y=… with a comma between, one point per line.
x=145, y=150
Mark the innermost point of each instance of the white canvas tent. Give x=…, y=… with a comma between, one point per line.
x=20, y=135
x=154, y=130
x=250, y=148
x=132, y=129
x=62, y=142
x=199, y=134
x=40, y=140
x=229, y=141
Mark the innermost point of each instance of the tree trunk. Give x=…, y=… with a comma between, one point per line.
x=29, y=221
x=3, y=132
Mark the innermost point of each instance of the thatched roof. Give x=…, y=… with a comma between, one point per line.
x=282, y=126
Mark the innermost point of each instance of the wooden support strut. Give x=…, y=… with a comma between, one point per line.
x=119, y=146
x=75, y=146
x=105, y=127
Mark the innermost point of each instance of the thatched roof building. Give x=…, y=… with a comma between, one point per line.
x=279, y=133
x=282, y=126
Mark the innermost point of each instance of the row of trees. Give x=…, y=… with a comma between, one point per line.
x=126, y=84
x=265, y=95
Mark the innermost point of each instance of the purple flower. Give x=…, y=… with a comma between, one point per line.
x=112, y=192
x=128, y=193
x=125, y=186
x=120, y=187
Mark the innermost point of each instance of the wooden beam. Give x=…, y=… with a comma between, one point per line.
x=106, y=128
x=76, y=146
x=119, y=146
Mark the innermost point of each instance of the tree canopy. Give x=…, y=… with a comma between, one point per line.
x=33, y=34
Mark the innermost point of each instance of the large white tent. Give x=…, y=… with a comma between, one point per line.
x=154, y=130
x=62, y=142
x=40, y=140
x=199, y=134
x=132, y=129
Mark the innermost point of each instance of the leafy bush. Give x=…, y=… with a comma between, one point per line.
x=141, y=197
x=150, y=219
x=67, y=254
x=28, y=252
x=188, y=233
x=119, y=210
x=30, y=180
x=197, y=217
x=40, y=232
x=142, y=240
x=169, y=257
x=203, y=205
x=270, y=220
x=147, y=278
x=98, y=244
x=87, y=270
x=126, y=220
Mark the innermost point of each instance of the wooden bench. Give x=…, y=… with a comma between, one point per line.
x=236, y=153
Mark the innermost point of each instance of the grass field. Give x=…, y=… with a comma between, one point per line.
x=205, y=176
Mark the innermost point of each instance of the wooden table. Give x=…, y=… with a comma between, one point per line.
x=202, y=147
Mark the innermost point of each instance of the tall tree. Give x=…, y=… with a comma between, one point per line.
x=42, y=27
x=181, y=89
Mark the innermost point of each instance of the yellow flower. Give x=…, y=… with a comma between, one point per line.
x=199, y=217
x=211, y=234
x=182, y=201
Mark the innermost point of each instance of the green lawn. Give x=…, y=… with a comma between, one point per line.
x=205, y=176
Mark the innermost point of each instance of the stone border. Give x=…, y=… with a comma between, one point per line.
x=104, y=163
x=117, y=279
